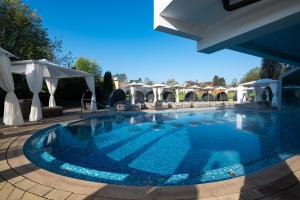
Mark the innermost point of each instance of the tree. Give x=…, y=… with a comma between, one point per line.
x=67, y=59
x=234, y=83
x=86, y=65
x=271, y=69
x=108, y=85
x=147, y=81
x=219, y=81
x=252, y=75
x=22, y=33
x=222, y=81
x=123, y=80
x=171, y=82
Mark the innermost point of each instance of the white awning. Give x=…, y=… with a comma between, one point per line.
x=50, y=70
x=37, y=70
x=260, y=82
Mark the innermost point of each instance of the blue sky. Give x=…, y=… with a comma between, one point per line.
x=119, y=35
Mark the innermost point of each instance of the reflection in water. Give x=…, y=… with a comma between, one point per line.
x=177, y=148
x=262, y=124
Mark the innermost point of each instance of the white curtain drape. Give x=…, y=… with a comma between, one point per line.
x=159, y=91
x=240, y=94
x=274, y=88
x=132, y=91
x=52, y=85
x=258, y=92
x=12, y=112
x=155, y=94
x=91, y=85
x=177, y=94
x=34, y=77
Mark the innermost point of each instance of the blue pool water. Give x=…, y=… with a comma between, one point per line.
x=175, y=148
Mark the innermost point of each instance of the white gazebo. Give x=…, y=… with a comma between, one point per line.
x=12, y=113
x=177, y=87
x=195, y=87
x=260, y=84
x=208, y=88
x=220, y=88
x=132, y=87
x=37, y=70
x=157, y=90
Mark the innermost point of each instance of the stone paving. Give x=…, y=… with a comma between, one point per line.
x=20, y=179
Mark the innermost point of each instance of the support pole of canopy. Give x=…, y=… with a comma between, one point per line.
x=240, y=94
x=90, y=81
x=34, y=77
x=177, y=94
x=132, y=91
x=155, y=94
x=12, y=112
x=52, y=85
x=274, y=88
x=159, y=91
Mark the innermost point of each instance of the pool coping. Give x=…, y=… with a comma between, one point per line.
x=259, y=184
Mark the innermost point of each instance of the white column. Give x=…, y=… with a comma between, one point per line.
x=132, y=91
x=177, y=94
x=52, y=85
x=12, y=113
x=34, y=77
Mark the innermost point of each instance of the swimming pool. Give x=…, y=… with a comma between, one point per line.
x=169, y=148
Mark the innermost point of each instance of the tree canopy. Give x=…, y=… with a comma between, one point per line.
x=219, y=81
x=234, y=83
x=171, y=82
x=271, y=69
x=22, y=33
x=108, y=85
x=252, y=75
x=86, y=65
x=147, y=81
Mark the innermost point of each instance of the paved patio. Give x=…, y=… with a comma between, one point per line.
x=20, y=179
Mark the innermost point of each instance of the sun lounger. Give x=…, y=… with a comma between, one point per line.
x=122, y=107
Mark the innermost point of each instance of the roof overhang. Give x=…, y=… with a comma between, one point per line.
x=268, y=28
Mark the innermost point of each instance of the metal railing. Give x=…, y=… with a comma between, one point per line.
x=106, y=107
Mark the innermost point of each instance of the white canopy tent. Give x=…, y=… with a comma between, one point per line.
x=132, y=87
x=37, y=70
x=157, y=90
x=259, y=85
x=12, y=113
x=177, y=87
